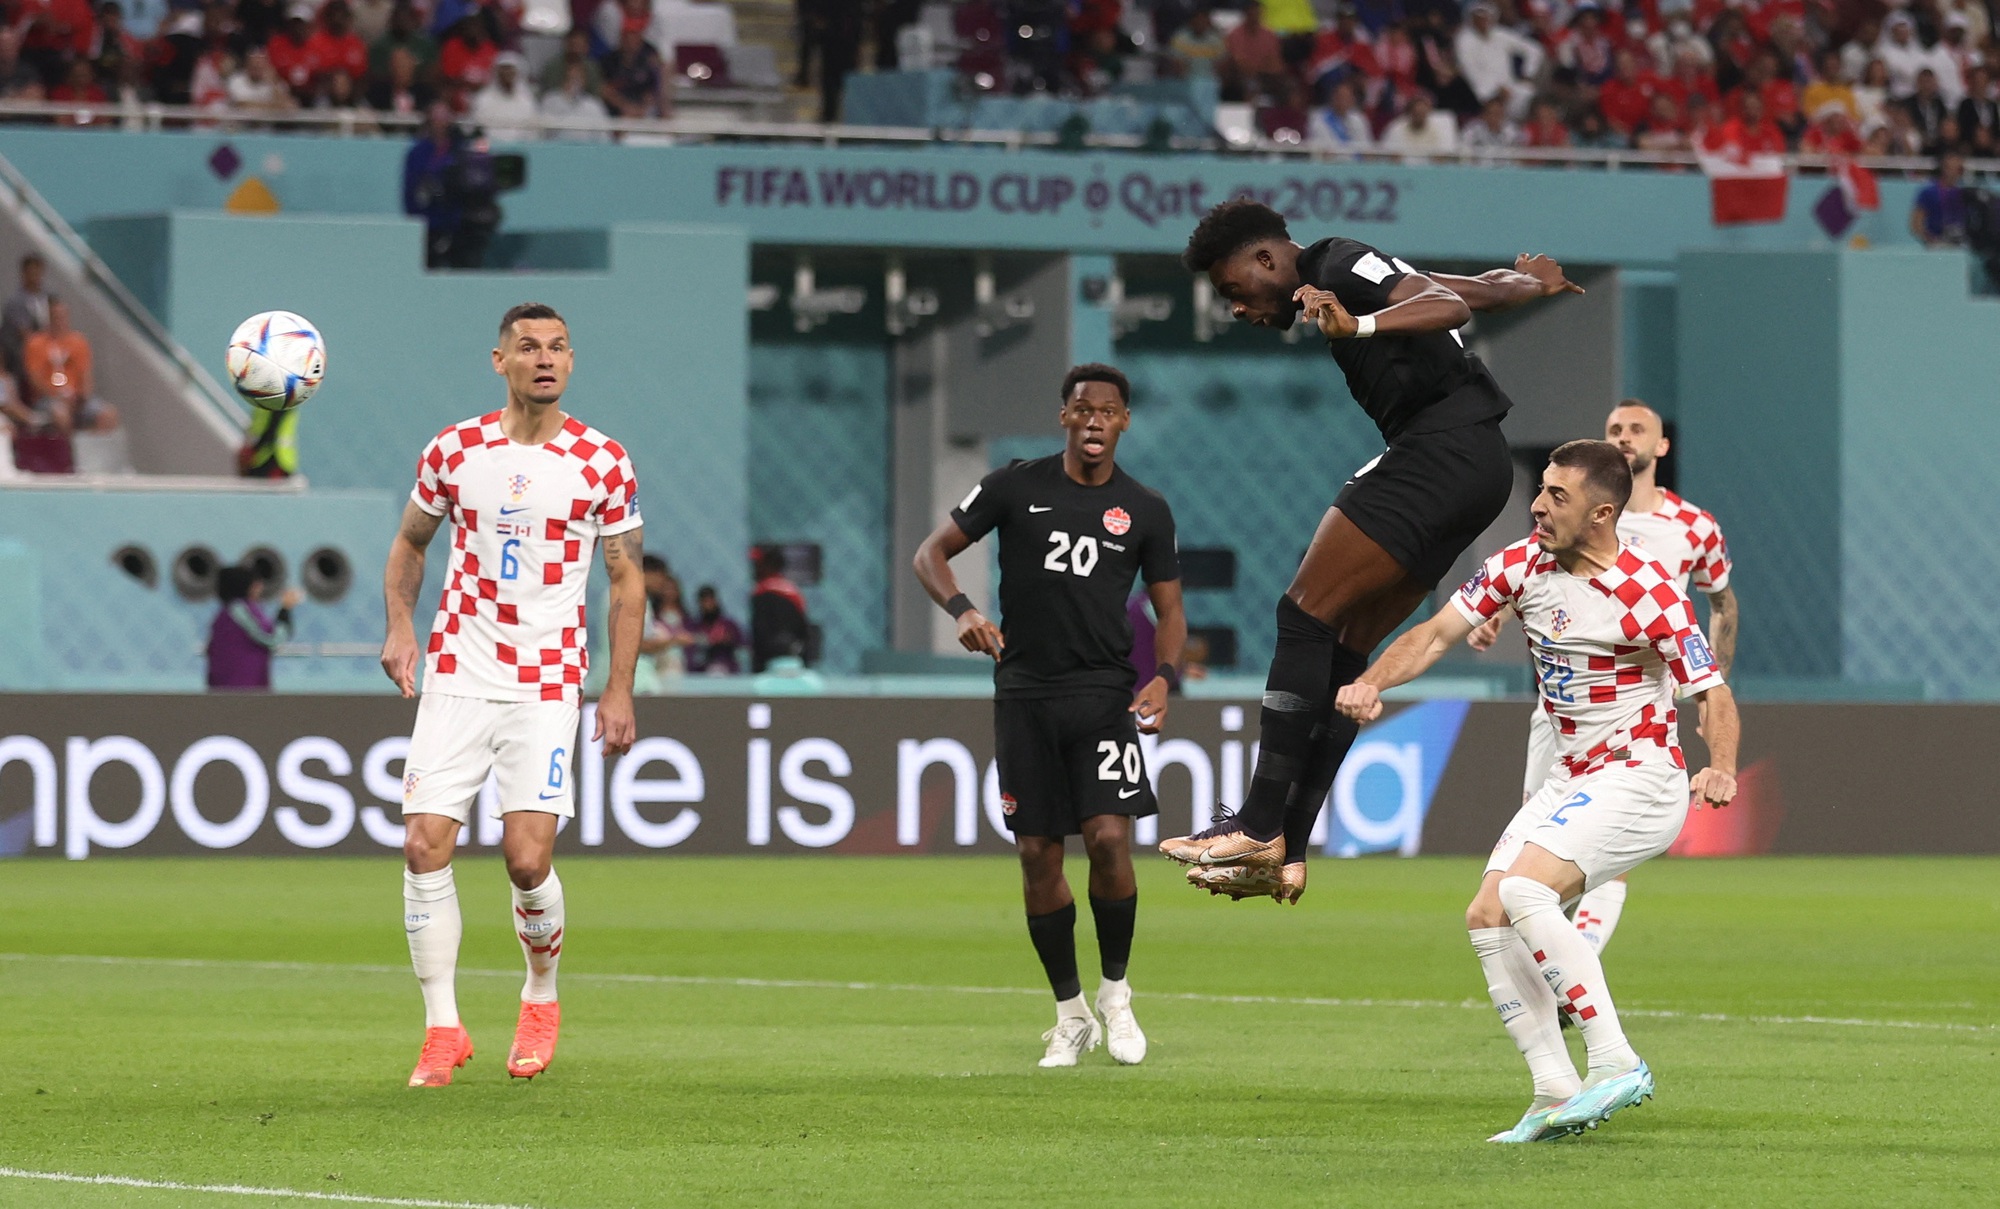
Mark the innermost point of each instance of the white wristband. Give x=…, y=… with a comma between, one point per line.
x=1364, y=326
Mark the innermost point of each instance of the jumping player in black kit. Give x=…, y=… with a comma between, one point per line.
x=1395, y=528
x=1074, y=532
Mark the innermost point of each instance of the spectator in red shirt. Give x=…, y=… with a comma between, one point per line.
x=1749, y=133
x=1665, y=129
x=79, y=87
x=1832, y=133
x=57, y=31
x=1545, y=126
x=1342, y=52
x=466, y=59
x=1253, y=60
x=1692, y=76
x=1627, y=97
x=288, y=51
x=335, y=46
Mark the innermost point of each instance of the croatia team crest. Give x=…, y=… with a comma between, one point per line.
x=1559, y=623
x=409, y=785
x=518, y=486
x=1117, y=521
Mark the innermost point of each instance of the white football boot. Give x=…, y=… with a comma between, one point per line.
x=1072, y=1037
x=1123, y=1038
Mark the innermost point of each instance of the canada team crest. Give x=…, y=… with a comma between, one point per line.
x=518, y=486
x=1117, y=522
x=1008, y=805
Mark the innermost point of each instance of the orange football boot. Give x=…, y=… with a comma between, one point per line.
x=534, y=1040
x=445, y=1050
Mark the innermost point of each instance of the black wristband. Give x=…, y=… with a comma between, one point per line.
x=958, y=606
x=1171, y=675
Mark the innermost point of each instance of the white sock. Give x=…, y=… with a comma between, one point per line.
x=1597, y=915
x=1569, y=965
x=1528, y=1010
x=1072, y=1009
x=430, y=916
x=1113, y=992
x=538, y=921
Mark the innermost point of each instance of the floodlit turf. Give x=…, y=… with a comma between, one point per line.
x=708, y=1091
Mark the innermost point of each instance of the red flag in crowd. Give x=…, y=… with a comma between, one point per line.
x=1746, y=175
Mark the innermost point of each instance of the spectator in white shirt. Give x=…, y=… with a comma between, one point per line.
x=1340, y=125
x=1905, y=56
x=506, y=108
x=1495, y=60
x=1491, y=129
x=256, y=86
x=1421, y=131
x=575, y=104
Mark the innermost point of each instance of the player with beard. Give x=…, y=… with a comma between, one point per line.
x=1074, y=532
x=1684, y=539
x=1395, y=528
x=1613, y=639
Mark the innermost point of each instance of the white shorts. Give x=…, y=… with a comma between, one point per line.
x=1607, y=822
x=1541, y=752
x=527, y=745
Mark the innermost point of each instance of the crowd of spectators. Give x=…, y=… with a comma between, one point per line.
x=1432, y=77
x=360, y=58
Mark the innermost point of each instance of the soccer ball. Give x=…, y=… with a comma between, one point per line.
x=276, y=360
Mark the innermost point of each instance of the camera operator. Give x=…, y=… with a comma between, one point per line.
x=453, y=184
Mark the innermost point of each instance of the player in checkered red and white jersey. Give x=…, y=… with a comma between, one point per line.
x=529, y=492
x=1613, y=634
x=1687, y=541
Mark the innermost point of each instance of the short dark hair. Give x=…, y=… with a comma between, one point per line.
x=529, y=310
x=705, y=590
x=34, y=258
x=1097, y=371
x=1605, y=474
x=653, y=562
x=1229, y=227
x=233, y=583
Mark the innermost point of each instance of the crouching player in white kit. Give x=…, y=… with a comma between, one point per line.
x=529, y=491
x=1612, y=635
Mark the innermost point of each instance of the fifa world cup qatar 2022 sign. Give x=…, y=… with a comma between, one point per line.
x=84, y=776
x=87, y=776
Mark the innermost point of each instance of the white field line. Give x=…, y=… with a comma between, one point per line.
x=119, y=1181
x=819, y=984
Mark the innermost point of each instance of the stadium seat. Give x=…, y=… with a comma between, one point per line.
x=753, y=66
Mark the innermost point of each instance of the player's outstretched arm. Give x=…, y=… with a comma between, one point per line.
x=1416, y=304
x=624, y=562
x=1169, y=642
x=933, y=567
x=1531, y=277
x=1406, y=659
x=1722, y=619
x=1722, y=727
x=402, y=580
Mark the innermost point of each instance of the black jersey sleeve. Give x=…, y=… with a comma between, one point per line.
x=1160, y=556
x=1360, y=276
x=981, y=512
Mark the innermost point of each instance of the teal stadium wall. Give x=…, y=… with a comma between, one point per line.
x=1724, y=369
x=1838, y=410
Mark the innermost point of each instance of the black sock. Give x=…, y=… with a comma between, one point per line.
x=1115, y=917
x=1295, y=701
x=1331, y=739
x=1054, y=935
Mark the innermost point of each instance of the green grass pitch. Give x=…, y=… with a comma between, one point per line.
x=1823, y=1032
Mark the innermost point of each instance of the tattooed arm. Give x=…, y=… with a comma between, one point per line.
x=623, y=555
x=402, y=579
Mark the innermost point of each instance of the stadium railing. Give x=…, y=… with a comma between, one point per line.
x=706, y=127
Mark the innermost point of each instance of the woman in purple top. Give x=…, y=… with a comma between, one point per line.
x=241, y=639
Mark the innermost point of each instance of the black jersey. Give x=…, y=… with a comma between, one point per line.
x=1419, y=383
x=1068, y=555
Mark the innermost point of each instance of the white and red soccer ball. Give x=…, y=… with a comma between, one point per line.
x=276, y=360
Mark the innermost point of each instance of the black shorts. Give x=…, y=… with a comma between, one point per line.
x=1066, y=759
x=1431, y=494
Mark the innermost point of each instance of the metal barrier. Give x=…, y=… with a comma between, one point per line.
x=703, y=127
